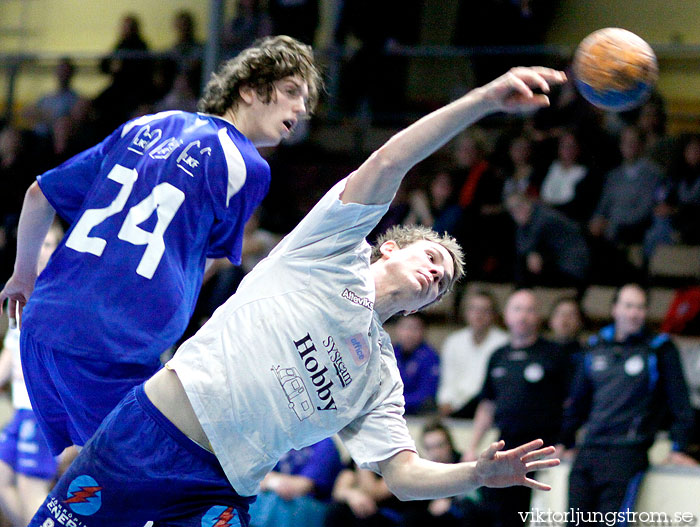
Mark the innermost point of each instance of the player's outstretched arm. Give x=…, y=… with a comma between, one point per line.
x=412, y=478
x=34, y=223
x=378, y=179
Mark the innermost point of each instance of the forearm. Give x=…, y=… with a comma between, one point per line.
x=414, y=478
x=34, y=223
x=378, y=179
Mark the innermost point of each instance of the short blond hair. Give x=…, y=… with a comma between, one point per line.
x=405, y=235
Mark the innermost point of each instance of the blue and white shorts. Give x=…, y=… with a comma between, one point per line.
x=139, y=467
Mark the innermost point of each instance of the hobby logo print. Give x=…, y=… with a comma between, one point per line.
x=220, y=516
x=84, y=496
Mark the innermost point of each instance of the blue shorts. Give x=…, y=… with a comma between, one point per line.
x=71, y=395
x=139, y=467
x=23, y=447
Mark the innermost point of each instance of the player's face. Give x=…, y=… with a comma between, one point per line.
x=277, y=119
x=630, y=311
x=420, y=273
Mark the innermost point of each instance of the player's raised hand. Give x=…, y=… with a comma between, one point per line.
x=513, y=91
x=496, y=467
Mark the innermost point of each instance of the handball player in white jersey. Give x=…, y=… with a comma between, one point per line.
x=296, y=355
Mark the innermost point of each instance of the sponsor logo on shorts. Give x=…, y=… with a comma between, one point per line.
x=357, y=299
x=221, y=516
x=359, y=349
x=84, y=496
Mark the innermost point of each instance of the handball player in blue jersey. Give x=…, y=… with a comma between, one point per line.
x=296, y=355
x=147, y=207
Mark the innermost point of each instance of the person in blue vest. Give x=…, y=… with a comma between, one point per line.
x=625, y=380
x=148, y=207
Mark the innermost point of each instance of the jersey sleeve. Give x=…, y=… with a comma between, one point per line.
x=382, y=432
x=238, y=181
x=340, y=226
x=67, y=185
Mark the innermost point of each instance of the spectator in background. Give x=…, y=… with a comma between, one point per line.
x=436, y=209
x=299, y=488
x=566, y=323
x=131, y=76
x=625, y=381
x=690, y=360
x=250, y=23
x=296, y=18
x=568, y=185
x=651, y=121
x=479, y=191
x=625, y=208
x=624, y=211
x=362, y=498
x=523, y=395
x=418, y=363
x=550, y=248
x=521, y=177
x=18, y=167
x=676, y=215
x=437, y=445
x=48, y=109
x=187, y=51
x=465, y=355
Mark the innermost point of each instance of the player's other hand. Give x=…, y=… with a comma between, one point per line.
x=513, y=91
x=496, y=467
x=17, y=293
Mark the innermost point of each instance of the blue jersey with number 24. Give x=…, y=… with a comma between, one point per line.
x=147, y=207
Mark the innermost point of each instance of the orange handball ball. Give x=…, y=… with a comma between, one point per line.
x=614, y=69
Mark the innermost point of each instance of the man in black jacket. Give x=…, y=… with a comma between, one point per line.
x=626, y=379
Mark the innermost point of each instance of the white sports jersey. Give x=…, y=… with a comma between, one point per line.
x=20, y=397
x=299, y=354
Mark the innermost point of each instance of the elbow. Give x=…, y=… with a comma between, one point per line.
x=402, y=493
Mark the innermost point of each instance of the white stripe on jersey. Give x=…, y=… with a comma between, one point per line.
x=146, y=119
x=235, y=164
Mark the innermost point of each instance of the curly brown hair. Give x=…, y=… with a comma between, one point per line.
x=259, y=66
x=405, y=235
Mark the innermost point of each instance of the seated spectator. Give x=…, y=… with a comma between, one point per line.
x=49, y=108
x=361, y=498
x=479, y=190
x=465, y=354
x=550, y=248
x=520, y=175
x=676, y=215
x=625, y=208
x=651, y=121
x=566, y=323
x=418, y=362
x=299, y=488
x=437, y=209
x=438, y=446
x=183, y=94
x=568, y=185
